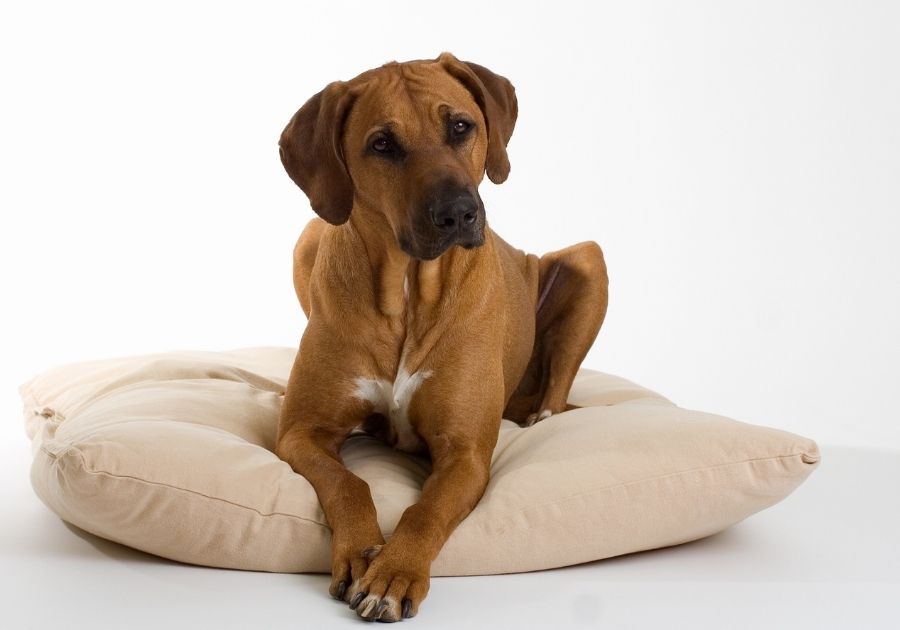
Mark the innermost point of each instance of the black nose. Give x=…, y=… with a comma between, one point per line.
x=456, y=213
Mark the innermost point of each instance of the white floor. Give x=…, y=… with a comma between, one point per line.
x=828, y=556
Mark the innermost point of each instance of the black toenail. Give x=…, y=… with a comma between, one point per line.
x=342, y=588
x=355, y=602
x=407, y=608
x=380, y=609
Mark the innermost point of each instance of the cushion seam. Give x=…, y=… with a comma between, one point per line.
x=91, y=471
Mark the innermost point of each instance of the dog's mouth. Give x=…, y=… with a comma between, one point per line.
x=429, y=247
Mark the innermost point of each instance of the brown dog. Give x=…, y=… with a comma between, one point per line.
x=415, y=340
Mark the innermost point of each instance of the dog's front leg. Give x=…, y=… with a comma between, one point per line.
x=398, y=576
x=311, y=445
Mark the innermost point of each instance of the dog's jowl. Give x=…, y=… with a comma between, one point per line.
x=425, y=327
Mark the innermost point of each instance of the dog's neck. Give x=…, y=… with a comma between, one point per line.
x=399, y=278
x=388, y=263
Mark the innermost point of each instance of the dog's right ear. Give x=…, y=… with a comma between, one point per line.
x=310, y=148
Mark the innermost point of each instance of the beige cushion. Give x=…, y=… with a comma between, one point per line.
x=172, y=454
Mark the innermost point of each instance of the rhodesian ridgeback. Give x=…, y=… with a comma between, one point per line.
x=425, y=327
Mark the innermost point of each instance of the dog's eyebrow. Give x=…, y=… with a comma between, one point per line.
x=448, y=112
x=388, y=127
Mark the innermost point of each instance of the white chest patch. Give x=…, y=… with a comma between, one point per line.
x=392, y=401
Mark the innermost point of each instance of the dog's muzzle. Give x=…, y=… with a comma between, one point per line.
x=452, y=215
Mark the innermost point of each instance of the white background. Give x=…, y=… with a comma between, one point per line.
x=739, y=162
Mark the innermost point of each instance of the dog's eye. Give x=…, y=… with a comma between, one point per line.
x=382, y=145
x=460, y=127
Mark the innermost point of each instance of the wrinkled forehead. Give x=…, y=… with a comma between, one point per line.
x=413, y=98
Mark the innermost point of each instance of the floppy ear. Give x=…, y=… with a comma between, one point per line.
x=496, y=97
x=310, y=148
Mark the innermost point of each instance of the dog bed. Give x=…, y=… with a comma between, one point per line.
x=172, y=454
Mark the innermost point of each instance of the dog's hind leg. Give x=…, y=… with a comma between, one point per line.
x=571, y=306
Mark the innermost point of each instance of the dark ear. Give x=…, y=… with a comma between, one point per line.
x=310, y=148
x=496, y=97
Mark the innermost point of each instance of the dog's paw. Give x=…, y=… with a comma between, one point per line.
x=534, y=418
x=348, y=565
x=390, y=591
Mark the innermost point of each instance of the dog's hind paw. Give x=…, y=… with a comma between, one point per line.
x=534, y=418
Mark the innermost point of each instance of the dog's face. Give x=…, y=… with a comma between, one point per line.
x=415, y=145
x=410, y=141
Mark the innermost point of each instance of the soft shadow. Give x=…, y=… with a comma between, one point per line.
x=728, y=539
x=120, y=552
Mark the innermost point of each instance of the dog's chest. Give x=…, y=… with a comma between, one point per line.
x=391, y=400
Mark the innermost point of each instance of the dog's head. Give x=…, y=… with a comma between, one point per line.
x=411, y=141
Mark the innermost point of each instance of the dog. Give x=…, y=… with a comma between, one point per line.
x=425, y=328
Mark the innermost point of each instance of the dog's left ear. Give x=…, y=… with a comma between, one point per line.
x=310, y=148
x=496, y=97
